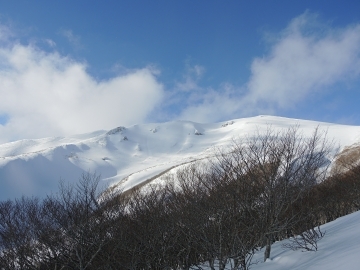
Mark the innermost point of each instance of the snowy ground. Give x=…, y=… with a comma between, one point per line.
x=131, y=155
x=135, y=154
x=339, y=249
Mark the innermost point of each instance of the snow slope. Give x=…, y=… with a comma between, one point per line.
x=131, y=155
x=338, y=249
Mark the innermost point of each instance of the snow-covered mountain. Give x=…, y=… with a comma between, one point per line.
x=130, y=155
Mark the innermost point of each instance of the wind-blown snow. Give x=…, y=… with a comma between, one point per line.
x=131, y=155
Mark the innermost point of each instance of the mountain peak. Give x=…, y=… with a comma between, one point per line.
x=130, y=155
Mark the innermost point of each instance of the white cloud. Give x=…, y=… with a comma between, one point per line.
x=72, y=38
x=191, y=78
x=211, y=105
x=5, y=33
x=46, y=94
x=50, y=42
x=306, y=58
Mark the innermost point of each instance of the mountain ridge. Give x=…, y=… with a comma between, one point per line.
x=134, y=154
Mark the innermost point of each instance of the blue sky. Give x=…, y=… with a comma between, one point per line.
x=77, y=66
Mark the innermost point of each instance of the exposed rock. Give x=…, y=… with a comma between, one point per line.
x=115, y=130
x=228, y=124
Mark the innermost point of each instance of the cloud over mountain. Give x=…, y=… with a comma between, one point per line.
x=45, y=93
x=307, y=57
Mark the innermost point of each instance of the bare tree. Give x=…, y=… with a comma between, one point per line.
x=307, y=240
x=216, y=214
x=219, y=211
x=271, y=171
x=84, y=220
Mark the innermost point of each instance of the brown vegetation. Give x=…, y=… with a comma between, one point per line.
x=217, y=212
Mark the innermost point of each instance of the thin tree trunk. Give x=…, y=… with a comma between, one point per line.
x=222, y=264
x=211, y=263
x=268, y=247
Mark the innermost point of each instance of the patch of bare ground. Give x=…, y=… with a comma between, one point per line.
x=346, y=159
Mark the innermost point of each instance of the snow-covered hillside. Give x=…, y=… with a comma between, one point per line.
x=131, y=155
x=339, y=249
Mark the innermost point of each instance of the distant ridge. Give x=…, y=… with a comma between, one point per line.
x=131, y=155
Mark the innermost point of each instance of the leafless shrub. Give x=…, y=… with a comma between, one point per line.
x=306, y=241
x=218, y=211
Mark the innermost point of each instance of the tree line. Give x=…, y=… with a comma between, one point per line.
x=216, y=213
